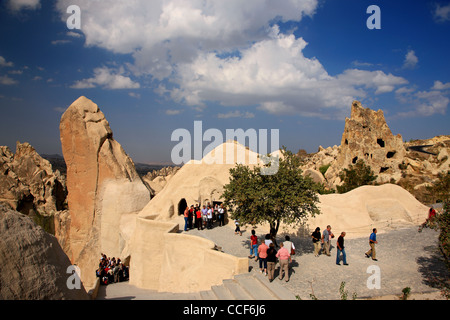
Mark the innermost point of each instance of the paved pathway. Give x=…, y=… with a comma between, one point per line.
x=406, y=258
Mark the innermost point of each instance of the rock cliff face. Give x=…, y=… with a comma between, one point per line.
x=104, y=190
x=29, y=185
x=33, y=265
x=367, y=137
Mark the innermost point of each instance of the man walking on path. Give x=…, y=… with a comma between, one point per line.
x=341, y=248
x=326, y=236
x=372, y=242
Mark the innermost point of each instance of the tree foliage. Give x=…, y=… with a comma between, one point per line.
x=284, y=197
x=355, y=176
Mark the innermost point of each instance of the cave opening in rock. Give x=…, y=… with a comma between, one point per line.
x=390, y=154
x=380, y=142
x=182, y=206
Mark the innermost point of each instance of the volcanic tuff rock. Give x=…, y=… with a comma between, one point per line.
x=105, y=191
x=29, y=185
x=367, y=136
x=33, y=265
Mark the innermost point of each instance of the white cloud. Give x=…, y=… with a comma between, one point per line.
x=442, y=13
x=17, y=5
x=159, y=34
x=4, y=63
x=173, y=112
x=56, y=42
x=424, y=103
x=108, y=79
x=223, y=51
x=7, y=81
x=275, y=74
x=411, y=60
x=438, y=85
x=236, y=114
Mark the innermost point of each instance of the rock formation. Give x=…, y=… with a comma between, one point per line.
x=105, y=192
x=157, y=179
x=33, y=265
x=367, y=136
x=29, y=185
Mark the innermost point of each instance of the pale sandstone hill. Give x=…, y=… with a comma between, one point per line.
x=33, y=265
x=198, y=181
x=357, y=212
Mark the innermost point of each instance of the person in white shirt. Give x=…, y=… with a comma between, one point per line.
x=210, y=217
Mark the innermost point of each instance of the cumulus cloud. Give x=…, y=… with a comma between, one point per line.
x=275, y=74
x=441, y=13
x=425, y=102
x=4, y=63
x=230, y=52
x=411, y=60
x=7, y=81
x=108, y=79
x=18, y=5
x=438, y=85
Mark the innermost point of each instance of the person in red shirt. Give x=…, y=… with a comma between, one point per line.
x=198, y=218
x=262, y=256
x=431, y=214
x=253, y=246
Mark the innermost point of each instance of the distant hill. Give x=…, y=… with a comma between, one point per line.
x=58, y=163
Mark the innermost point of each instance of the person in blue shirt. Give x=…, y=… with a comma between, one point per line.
x=372, y=242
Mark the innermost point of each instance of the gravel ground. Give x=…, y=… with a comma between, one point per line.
x=406, y=258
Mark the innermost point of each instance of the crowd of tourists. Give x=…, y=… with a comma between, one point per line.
x=269, y=252
x=203, y=217
x=111, y=270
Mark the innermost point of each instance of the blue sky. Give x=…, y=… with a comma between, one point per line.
x=156, y=66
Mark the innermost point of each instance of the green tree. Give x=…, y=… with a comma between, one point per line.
x=355, y=176
x=284, y=197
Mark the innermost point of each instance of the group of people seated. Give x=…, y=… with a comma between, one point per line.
x=111, y=270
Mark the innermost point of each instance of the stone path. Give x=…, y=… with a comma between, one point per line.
x=406, y=258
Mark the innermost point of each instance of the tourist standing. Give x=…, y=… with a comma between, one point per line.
x=210, y=217
x=204, y=216
x=271, y=261
x=186, y=218
x=326, y=240
x=191, y=217
x=238, y=228
x=262, y=256
x=284, y=257
x=372, y=242
x=316, y=241
x=221, y=215
x=289, y=245
x=253, y=246
x=341, y=248
x=198, y=218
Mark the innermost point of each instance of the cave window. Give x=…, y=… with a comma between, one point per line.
x=355, y=159
x=390, y=154
x=346, y=141
x=383, y=169
x=182, y=206
x=380, y=142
